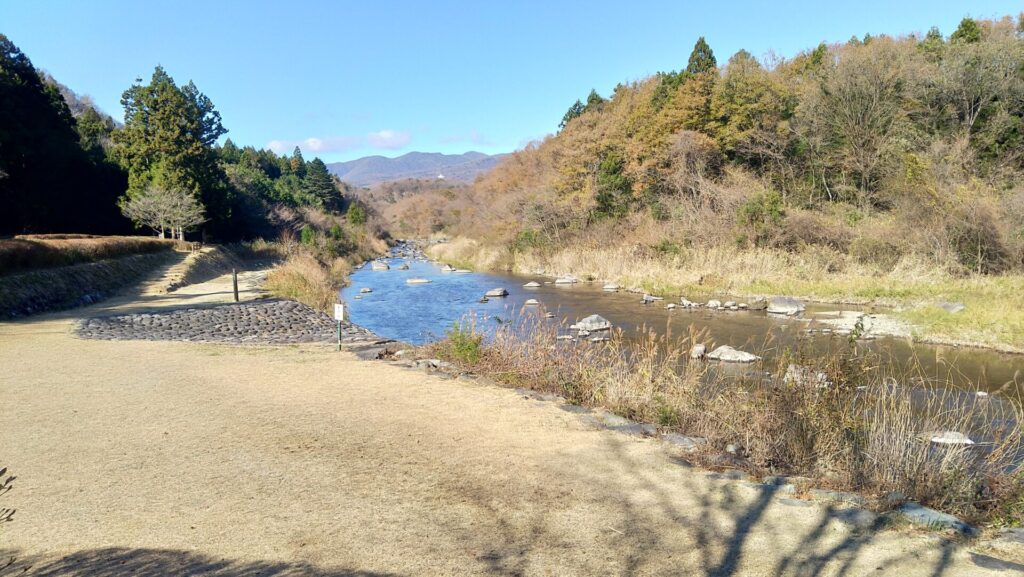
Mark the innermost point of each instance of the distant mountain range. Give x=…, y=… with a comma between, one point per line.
x=370, y=170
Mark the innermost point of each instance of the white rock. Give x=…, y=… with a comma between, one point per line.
x=532, y=284
x=729, y=304
x=611, y=287
x=727, y=354
x=463, y=270
x=713, y=304
x=531, y=302
x=417, y=280
x=565, y=280
x=496, y=292
x=785, y=306
x=951, y=438
x=366, y=289
x=698, y=351
x=670, y=306
x=592, y=323
x=379, y=265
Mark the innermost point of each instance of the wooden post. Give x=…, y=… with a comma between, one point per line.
x=234, y=282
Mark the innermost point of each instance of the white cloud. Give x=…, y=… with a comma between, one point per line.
x=388, y=139
x=383, y=139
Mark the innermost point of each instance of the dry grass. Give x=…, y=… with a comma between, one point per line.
x=305, y=279
x=867, y=431
x=28, y=252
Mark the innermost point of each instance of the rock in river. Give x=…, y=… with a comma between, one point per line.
x=379, y=265
x=785, y=306
x=727, y=354
x=951, y=438
x=531, y=302
x=698, y=351
x=496, y=292
x=417, y=280
x=532, y=284
x=592, y=323
x=610, y=287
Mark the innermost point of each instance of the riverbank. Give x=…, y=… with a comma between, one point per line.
x=993, y=306
x=159, y=458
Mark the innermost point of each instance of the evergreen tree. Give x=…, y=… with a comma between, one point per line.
x=933, y=43
x=356, y=214
x=319, y=185
x=702, y=59
x=296, y=164
x=574, y=111
x=170, y=132
x=968, y=32
x=594, y=101
x=48, y=183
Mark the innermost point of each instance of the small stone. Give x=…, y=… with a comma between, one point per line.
x=698, y=351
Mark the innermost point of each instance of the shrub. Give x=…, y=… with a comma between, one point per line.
x=761, y=215
x=307, y=235
x=882, y=252
x=465, y=343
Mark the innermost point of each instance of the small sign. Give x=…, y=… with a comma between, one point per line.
x=339, y=312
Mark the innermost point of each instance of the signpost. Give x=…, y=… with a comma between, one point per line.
x=339, y=315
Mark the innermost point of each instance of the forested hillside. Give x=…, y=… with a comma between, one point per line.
x=67, y=167
x=876, y=153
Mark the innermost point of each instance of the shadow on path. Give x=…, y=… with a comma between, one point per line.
x=122, y=562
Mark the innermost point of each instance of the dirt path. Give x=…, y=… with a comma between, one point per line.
x=147, y=458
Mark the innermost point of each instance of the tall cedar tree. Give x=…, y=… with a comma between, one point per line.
x=168, y=138
x=702, y=59
x=320, y=187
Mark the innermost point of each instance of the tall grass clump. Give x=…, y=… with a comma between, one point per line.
x=846, y=419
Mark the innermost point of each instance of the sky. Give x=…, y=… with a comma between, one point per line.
x=344, y=79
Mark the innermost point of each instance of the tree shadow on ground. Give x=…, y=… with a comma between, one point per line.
x=721, y=529
x=123, y=561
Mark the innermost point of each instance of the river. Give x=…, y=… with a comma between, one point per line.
x=419, y=313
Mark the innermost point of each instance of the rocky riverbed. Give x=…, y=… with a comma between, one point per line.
x=263, y=322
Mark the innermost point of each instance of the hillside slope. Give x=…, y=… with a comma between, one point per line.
x=372, y=170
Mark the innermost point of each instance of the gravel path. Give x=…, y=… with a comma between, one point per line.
x=270, y=322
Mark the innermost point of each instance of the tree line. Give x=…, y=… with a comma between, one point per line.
x=66, y=166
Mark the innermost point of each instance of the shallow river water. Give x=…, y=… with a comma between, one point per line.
x=419, y=313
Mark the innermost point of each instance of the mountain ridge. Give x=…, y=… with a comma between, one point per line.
x=370, y=170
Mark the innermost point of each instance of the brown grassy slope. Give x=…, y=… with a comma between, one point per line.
x=28, y=252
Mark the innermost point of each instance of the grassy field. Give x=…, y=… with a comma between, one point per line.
x=30, y=252
x=993, y=317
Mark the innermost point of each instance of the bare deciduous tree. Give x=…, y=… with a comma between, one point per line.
x=164, y=208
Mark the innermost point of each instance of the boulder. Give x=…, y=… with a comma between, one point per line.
x=366, y=289
x=592, y=323
x=496, y=292
x=688, y=303
x=670, y=306
x=405, y=266
x=610, y=287
x=531, y=302
x=379, y=265
x=714, y=304
x=758, y=304
x=785, y=306
x=727, y=354
x=532, y=284
x=447, y=268
x=565, y=280
x=729, y=304
x=698, y=351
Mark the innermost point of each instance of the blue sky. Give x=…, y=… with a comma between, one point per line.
x=349, y=79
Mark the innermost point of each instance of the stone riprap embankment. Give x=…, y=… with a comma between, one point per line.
x=263, y=322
